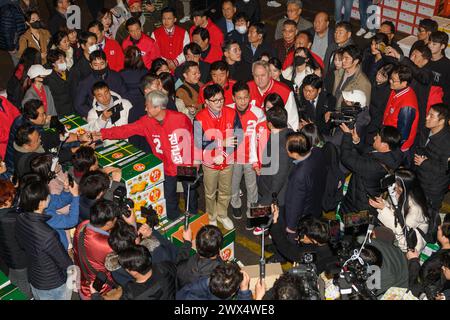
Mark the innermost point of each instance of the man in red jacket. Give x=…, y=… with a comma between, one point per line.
x=202, y=20
x=263, y=85
x=402, y=111
x=246, y=157
x=112, y=49
x=90, y=246
x=169, y=134
x=171, y=39
x=210, y=52
x=149, y=49
x=217, y=132
x=8, y=113
x=220, y=75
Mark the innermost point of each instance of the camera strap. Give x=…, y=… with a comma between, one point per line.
x=82, y=256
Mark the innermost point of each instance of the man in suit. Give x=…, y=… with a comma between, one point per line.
x=225, y=23
x=306, y=182
x=256, y=45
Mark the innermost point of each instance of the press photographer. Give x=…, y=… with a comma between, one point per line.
x=353, y=112
x=312, y=237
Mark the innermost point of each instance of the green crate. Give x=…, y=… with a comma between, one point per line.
x=114, y=153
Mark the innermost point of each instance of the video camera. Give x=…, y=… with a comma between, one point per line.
x=347, y=115
x=307, y=271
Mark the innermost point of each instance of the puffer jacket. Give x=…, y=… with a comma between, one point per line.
x=10, y=251
x=12, y=25
x=47, y=259
x=194, y=268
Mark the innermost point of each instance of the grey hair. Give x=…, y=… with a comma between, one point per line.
x=260, y=63
x=299, y=3
x=157, y=98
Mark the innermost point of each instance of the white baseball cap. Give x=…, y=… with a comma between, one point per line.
x=355, y=96
x=37, y=70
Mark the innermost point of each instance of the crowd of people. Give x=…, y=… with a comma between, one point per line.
x=312, y=122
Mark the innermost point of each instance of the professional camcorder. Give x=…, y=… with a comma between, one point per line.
x=307, y=272
x=347, y=115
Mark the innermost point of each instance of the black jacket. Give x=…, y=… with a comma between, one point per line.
x=305, y=188
x=307, y=111
x=242, y=39
x=56, y=22
x=222, y=24
x=80, y=71
x=277, y=166
x=252, y=9
x=366, y=173
x=47, y=259
x=434, y=174
x=194, y=268
x=379, y=98
x=325, y=260
x=204, y=71
x=265, y=47
x=241, y=71
x=10, y=251
x=84, y=97
x=61, y=92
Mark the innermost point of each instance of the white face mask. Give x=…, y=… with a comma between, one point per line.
x=93, y=48
x=62, y=66
x=241, y=29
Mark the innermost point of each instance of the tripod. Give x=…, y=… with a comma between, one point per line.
x=186, y=212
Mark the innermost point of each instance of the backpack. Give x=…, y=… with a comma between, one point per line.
x=335, y=179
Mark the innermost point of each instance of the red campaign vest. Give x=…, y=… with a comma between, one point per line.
x=215, y=54
x=215, y=128
x=170, y=46
x=227, y=92
x=114, y=55
x=274, y=87
x=251, y=121
x=149, y=48
x=215, y=33
x=405, y=98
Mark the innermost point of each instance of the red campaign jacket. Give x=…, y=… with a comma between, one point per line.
x=285, y=94
x=171, y=141
x=171, y=47
x=397, y=101
x=97, y=248
x=210, y=131
x=149, y=48
x=215, y=54
x=215, y=34
x=227, y=92
x=435, y=96
x=114, y=55
x=8, y=113
x=290, y=60
x=252, y=119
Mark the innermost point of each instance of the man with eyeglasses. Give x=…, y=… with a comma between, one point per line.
x=217, y=133
x=426, y=28
x=402, y=111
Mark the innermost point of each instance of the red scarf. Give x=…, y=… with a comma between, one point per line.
x=42, y=95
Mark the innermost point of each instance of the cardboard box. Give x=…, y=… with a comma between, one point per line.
x=149, y=196
x=431, y=3
x=74, y=123
x=406, y=44
x=408, y=6
x=273, y=272
x=391, y=3
x=355, y=13
x=11, y=292
x=389, y=14
x=425, y=11
x=406, y=18
x=174, y=232
x=114, y=153
x=405, y=27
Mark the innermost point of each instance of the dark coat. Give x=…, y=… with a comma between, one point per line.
x=241, y=71
x=379, y=98
x=222, y=24
x=307, y=111
x=47, y=259
x=247, y=53
x=80, y=71
x=62, y=95
x=242, y=39
x=199, y=290
x=56, y=22
x=306, y=186
x=433, y=174
x=252, y=9
x=194, y=268
x=84, y=97
x=331, y=30
x=367, y=171
x=278, y=167
x=10, y=251
x=12, y=25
